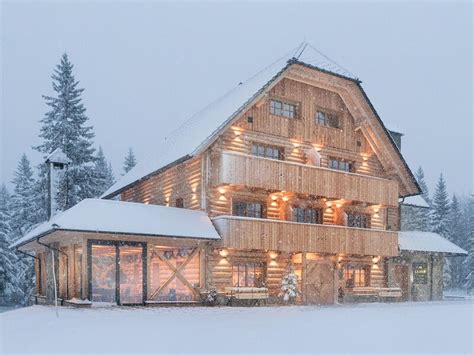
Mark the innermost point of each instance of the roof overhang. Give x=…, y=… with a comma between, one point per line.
x=428, y=242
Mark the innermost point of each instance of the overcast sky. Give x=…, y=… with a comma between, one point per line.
x=147, y=67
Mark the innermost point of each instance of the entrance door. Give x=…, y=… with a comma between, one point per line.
x=319, y=280
x=103, y=278
x=116, y=272
x=131, y=274
x=401, y=280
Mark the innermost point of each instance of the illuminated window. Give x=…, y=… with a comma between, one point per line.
x=325, y=119
x=248, y=209
x=358, y=220
x=248, y=274
x=284, y=109
x=356, y=276
x=267, y=151
x=307, y=215
x=340, y=164
x=420, y=273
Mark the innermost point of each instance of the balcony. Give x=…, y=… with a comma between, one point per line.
x=269, y=174
x=266, y=234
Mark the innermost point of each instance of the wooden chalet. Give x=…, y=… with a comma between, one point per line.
x=292, y=166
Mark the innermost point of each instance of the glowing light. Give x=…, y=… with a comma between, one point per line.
x=329, y=209
x=224, y=253
x=221, y=190
x=285, y=198
x=273, y=263
x=273, y=255
x=274, y=204
x=274, y=197
x=329, y=203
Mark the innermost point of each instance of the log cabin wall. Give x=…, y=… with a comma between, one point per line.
x=182, y=181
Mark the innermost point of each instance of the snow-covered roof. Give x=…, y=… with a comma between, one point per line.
x=201, y=128
x=427, y=242
x=416, y=200
x=58, y=156
x=97, y=215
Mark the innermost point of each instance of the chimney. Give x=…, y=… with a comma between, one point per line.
x=57, y=163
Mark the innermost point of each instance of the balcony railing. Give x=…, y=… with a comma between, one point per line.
x=252, y=171
x=267, y=234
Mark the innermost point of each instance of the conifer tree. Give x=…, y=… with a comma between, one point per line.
x=458, y=220
x=8, y=259
x=440, y=209
x=65, y=126
x=420, y=178
x=129, y=161
x=468, y=264
x=103, y=173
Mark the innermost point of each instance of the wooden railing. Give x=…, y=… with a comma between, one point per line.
x=270, y=174
x=267, y=234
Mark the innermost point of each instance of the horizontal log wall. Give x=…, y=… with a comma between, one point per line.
x=252, y=233
x=182, y=181
x=242, y=169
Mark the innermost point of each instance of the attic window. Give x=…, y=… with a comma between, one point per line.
x=58, y=166
x=280, y=108
x=326, y=119
x=341, y=164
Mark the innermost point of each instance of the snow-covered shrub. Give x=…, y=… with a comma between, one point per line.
x=211, y=296
x=289, y=286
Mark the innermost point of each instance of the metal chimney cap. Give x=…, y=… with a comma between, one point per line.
x=58, y=156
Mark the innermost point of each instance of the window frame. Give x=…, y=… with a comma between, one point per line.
x=255, y=148
x=341, y=162
x=354, y=270
x=243, y=268
x=330, y=119
x=307, y=218
x=235, y=208
x=358, y=215
x=286, y=108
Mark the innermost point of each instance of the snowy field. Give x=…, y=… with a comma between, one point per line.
x=432, y=328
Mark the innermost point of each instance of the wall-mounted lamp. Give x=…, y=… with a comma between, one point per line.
x=224, y=253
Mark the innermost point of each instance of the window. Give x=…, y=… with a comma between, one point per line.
x=307, y=215
x=339, y=164
x=325, y=119
x=248, y=274
x=179, y=202
x=248, y=209
x=284, y=109
x=420, y=273
x=356, y=276
x=266, y=151
x=358, y=220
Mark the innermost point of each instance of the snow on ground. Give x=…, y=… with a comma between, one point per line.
x=433, y=328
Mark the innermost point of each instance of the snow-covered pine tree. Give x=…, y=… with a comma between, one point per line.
x=129, y=162
x=469, y=246
x=440, y=222
x=458, y=220
x=104, y=177
x=24, y=216
x=420, y=177
x=440, y=209
x=8, y=259
x=289, y=285
x=65, y=126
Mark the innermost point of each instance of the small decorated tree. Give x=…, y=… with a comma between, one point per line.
x=289, y=286
x=211, y=297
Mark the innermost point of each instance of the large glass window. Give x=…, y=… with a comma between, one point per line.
x=325, y=119
x=131, y=274
x=248, y=209
x=77, y=271
x=174, y=274
x=307, y=215
x=103, y=276
x=358, y=220
x=356, y=276
x=248, y=274
x=267, y=151
x=284, y=109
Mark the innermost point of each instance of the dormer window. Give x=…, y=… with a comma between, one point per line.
x=280, y=108
x=326, y=119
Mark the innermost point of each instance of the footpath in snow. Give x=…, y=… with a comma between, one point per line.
x=434, y=328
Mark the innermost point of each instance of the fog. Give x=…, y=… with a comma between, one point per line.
x=147, y=67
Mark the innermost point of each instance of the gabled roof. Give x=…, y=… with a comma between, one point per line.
x=204, y=126
x=110, y=216
x=427, y=242
x=57, y=156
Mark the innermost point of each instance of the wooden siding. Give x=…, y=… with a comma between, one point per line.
x=182, y=181
x=252, y=171
x=251, y=233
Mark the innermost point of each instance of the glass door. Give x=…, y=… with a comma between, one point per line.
x=103, y=273
x=131, y=274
